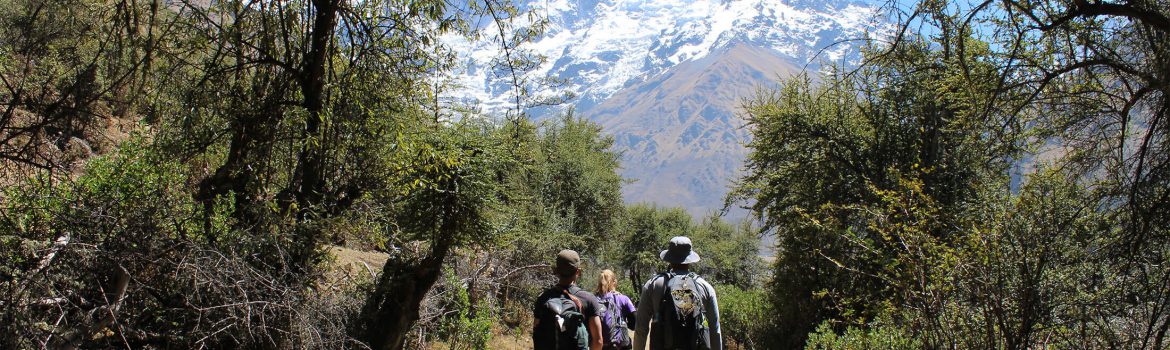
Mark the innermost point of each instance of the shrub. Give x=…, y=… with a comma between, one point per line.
x=878, y=335
x=744, y=317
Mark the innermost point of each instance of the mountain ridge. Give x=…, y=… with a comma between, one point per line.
x=632, y=64
x=684, y=128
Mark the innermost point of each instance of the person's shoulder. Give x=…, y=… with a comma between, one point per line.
x=589, y=301
x=550, y=290
x=581, y=293
x=708, y=288
x=538, y=305
x=544, y=295
x=700, y=280
x=658, y=280
x=548, y=293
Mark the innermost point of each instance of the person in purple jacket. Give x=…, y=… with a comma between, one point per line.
x=617, y=316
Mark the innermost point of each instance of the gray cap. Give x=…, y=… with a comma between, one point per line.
x=679, y=252
x=568, y=261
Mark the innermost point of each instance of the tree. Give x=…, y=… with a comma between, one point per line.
x=730, y=253
x=1088, y=72
x=65, y=63
x=902, y=199
x=445, y=195
x=860, y=176
x=561, y=191
x=268, y=125
x=647, y=229
x=1098, y=69
x=583, y=183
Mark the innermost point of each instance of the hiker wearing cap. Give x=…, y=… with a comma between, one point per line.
x=677, y=308
x=566, y=316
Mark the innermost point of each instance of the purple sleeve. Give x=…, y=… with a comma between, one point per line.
x=627, y=305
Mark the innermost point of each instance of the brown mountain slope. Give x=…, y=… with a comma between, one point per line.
x=682, y=131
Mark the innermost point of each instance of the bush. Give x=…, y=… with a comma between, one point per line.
x=744, y=317
x=122, y=256
x=459, y=324
x=877, y=336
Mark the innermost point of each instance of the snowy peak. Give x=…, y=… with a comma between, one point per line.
x=602, y=46
x=666, y=78
x=629, y=40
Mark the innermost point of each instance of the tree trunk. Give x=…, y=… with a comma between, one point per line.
x=392, y=308
x=305, y=188
x=309, y=182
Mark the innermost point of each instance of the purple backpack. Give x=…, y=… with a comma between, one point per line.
x=613, y=323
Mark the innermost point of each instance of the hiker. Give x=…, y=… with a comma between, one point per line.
x=677, y=308
x=618, y=314
x=566, y=316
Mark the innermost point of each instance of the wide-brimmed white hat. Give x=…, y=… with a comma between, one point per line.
x=679, y=252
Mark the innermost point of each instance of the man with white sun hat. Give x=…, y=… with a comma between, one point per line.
x=678, y=309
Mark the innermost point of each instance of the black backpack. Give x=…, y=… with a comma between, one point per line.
x=680, y=314
x=563, y=325
x=614, y=332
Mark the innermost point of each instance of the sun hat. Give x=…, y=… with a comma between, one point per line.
x=679, y=252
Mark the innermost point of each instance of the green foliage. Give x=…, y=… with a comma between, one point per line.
x=126, y=195
x=864, y=178
x=63, y=77
x=1022, y=268
x=582, y=181
x=561, y=191
x=462, y=327
x=875, y=336
x=745, y=316
x=272, y=129
x=126, y=216
x=962, y=189
x=730, y=253
x=647, y=230
x=445, y=185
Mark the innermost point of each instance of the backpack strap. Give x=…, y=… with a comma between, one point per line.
x=619, y=311
x=666, y=278
x=567, y=291
x=662, y=299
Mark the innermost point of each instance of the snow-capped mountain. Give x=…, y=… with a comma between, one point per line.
x=663, y=76
x=601, y=46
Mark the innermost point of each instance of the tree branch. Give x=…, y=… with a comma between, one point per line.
x=1084, y=9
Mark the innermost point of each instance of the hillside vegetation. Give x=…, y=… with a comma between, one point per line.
x=293, y=174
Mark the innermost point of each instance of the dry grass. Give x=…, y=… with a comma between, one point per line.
x=356, y=258
x=350, y=266
x=510, y=341
x=499, y=341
